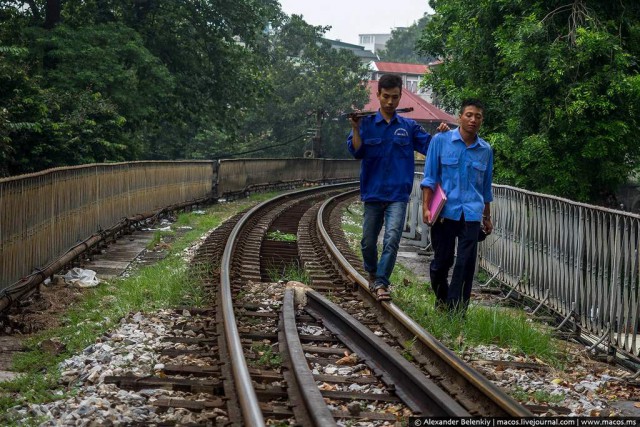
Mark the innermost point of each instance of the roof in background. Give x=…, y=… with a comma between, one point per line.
x=343, y=44
x=358, y=50
x=401, y=68
x=423, y=111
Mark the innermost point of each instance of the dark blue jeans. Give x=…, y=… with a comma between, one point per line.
x=444, y=232
x=392, y=215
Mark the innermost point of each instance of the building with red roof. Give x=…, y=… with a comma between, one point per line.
x=425, y=113
x=411, y=74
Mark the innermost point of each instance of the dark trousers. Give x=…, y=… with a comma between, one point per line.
x=444, y=232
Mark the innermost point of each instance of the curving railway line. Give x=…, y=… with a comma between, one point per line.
x=318, y=355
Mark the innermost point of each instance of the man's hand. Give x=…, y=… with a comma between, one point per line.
x=443, y=127
x=487, y=225
x=427, y=195
x=355, y=130
x=426, y=216
x=355, y=122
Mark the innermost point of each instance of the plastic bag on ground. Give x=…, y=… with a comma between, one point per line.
x=82, y=278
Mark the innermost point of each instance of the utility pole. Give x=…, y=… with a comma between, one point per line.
x=317, y=139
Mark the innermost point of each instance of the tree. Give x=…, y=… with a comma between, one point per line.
x=560, y=81
x=115, y=80
x=209, y=48
x=309, y=84
x=401, y=47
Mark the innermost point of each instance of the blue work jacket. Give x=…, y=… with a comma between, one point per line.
x=465, y=174
x=386, y=172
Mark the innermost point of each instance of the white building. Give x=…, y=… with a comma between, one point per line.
x=374, y=42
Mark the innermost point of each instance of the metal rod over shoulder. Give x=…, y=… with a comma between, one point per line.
x=355, y=114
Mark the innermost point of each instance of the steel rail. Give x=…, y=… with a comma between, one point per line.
x=249, y=404
x=506, y=403
x=315, y=406
x=417, y=391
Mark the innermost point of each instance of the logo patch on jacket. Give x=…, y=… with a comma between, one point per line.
x=401, y=132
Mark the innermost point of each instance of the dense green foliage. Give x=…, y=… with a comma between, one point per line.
x=402, y=46
x=114, y=80
x=561, y=84
x=308, y=86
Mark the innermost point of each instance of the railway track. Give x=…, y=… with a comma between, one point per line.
x=265, y=351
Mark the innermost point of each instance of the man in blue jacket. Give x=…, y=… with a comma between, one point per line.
x=385, y=142
x=462, y=163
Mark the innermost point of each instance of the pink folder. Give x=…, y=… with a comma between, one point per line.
x=437, y=203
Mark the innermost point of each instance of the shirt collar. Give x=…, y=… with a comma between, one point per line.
x=380, y=118
x=456, y=136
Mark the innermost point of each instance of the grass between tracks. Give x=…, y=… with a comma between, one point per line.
x=164, y=284
x=505, y=327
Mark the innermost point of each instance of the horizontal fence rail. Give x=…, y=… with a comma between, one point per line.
x=44, y=214
x=581, y=260
x=242, y=175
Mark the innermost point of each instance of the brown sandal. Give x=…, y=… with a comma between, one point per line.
x=383, y=294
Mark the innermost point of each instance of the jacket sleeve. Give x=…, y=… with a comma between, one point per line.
x=420, y=139
x=487, y=192
x=432, y=163
x=358, y=154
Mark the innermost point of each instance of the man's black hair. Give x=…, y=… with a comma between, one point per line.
x=471, y=101
x=389, y=81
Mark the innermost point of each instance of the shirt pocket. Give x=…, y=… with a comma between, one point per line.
x=402, y=146
x=478, y=170
x=450, y=171
x=373, y=147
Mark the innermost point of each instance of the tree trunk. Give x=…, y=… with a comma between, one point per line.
x=53, y=13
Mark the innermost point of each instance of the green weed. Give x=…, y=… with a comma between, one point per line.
x=267, y=358
x=287, y=273
x=539, y=396
x=281, y=237
x=408, y=347
x=482, y=276
x=543, y=396
x=158, y=238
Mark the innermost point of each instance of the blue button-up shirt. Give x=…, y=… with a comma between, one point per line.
x=386, y=172
x=465, y=174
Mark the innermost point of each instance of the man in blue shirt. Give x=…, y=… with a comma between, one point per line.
x=462, y=163
x=385, y=142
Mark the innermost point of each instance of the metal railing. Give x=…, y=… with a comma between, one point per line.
x=580, y=260
x=45, y=213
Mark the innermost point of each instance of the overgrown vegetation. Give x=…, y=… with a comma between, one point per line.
x=166, y=284
x=538, y=396
x=279, y=236
x=501, y=326
x=266, y=356
x=84, y=82
x=560, y=81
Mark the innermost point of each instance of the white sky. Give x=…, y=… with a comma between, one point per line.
x=349, y=18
